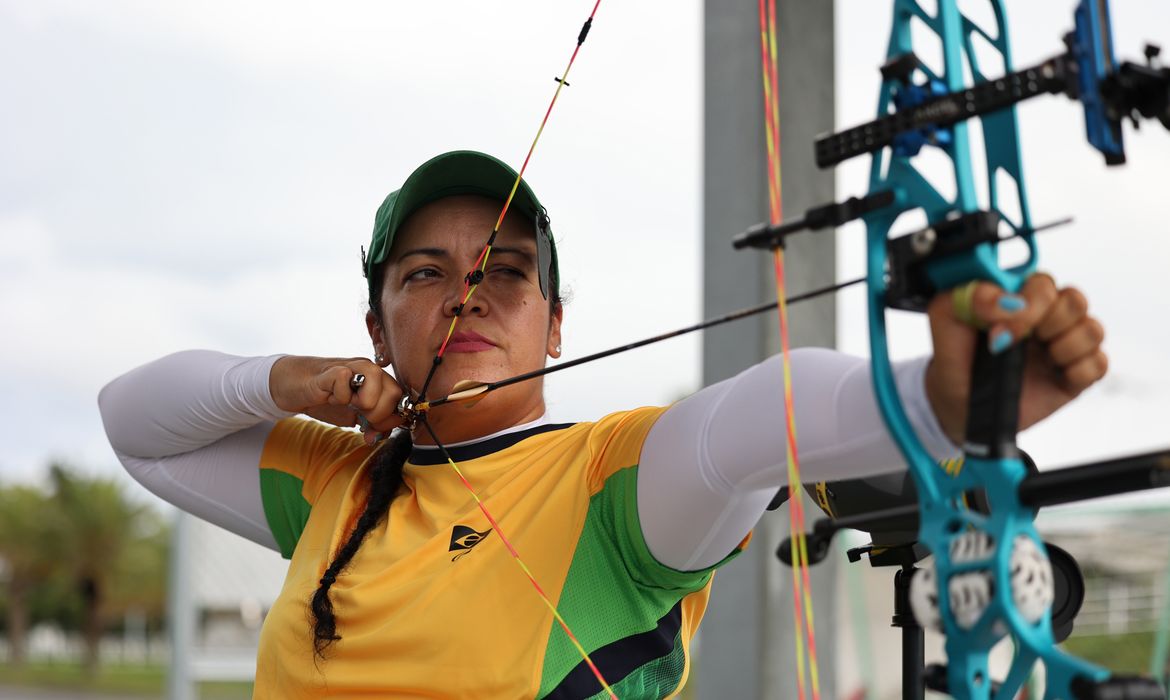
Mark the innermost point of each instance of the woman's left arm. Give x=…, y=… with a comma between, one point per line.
x=712, y=463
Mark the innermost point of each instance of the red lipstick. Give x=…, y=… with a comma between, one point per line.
x=468, y=341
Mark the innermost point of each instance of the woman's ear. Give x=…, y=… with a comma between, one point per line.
x=554, y=331
x=381, y=350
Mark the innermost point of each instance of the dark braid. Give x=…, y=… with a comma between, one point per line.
x=385, y=479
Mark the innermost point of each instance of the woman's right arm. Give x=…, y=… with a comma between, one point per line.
x=190, y=427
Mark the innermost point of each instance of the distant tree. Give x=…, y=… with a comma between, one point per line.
x=101, y=526
x=56, y=602
x=140, y=576
x=30, y=546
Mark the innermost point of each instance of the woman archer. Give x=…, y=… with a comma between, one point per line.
x=399, y=584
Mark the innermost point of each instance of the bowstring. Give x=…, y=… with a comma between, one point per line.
x=472, y=280
x=803, y=621
x=470, y=284
x=422, y=420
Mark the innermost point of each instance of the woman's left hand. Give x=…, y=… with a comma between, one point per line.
x=1064, y=348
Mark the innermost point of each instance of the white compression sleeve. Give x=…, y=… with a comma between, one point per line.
x=190, y=427
x=713, y=462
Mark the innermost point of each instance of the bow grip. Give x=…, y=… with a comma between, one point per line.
x=993, y=407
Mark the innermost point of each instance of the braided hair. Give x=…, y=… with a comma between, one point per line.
x=385, y=480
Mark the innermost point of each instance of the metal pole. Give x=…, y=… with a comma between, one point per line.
x=913, y=638
x=181, y=612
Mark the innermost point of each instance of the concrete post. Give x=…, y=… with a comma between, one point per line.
x=746, y=641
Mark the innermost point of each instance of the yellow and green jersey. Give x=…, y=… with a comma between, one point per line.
x=432, y=604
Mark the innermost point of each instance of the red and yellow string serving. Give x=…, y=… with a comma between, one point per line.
x=801, y=587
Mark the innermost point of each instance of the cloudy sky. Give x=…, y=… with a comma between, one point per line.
x=178, y=175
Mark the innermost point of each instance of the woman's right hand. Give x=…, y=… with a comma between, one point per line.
x=320, y=387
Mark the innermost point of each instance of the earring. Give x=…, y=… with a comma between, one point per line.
x=379, y=359
x=558, y=348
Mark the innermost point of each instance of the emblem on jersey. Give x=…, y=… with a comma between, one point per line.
x=464, y=538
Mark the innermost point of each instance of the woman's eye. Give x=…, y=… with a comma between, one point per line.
x=508, y=270
x=422, y=273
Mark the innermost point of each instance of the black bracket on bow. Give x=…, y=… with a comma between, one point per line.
x=767, y=237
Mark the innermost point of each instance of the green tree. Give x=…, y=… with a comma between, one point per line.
x=101, y=528
x=30, y=547
x=140, y=576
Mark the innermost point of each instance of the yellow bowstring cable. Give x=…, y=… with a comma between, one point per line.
x=796, y=498
x=769, y=123
x=800, y=585
x=802, y=589
x=774, y=210
x=775, y=96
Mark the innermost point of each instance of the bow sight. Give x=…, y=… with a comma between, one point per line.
x=977, y=521
x=924, y=111
x=1086, y=71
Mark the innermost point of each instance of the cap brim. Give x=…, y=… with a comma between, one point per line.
x=450, y=174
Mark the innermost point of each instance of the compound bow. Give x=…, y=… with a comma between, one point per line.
x=991, y=578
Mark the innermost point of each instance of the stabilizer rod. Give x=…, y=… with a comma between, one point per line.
x=1054, y=487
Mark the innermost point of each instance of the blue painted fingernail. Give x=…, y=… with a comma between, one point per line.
x=1001, y=341
x=363, y=423
x=1012, y=303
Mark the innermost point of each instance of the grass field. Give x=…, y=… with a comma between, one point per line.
x=141, y=681
x=1125, y=653
x=1128, y=653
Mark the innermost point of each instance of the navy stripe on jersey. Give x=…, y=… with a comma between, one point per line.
x=620, y=658
x=424, y=455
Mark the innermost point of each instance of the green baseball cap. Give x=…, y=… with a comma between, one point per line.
x=455, y=173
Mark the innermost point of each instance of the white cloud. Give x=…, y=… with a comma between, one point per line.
x=176, y=175
x=202, y=176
